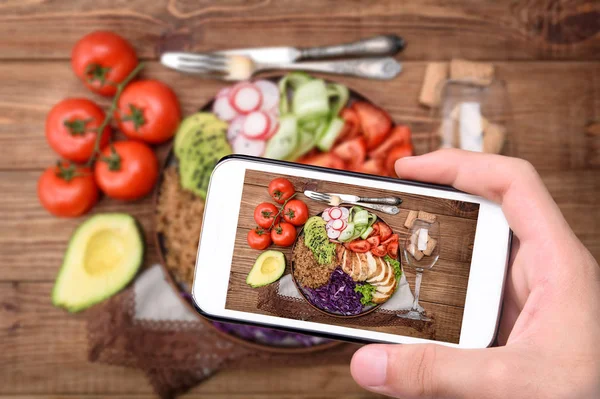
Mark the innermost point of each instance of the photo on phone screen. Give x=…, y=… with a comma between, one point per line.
x=352, y=266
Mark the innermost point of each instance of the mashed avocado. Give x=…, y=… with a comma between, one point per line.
x=315, y=238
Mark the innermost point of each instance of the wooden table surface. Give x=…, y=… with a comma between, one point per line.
x=547, y=52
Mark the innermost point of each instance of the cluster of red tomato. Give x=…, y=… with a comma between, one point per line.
x=369, y=143
x=271, y=229
x=146, y=111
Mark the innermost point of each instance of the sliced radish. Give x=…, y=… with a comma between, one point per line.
x=235, y=128
x=337, y=224
x=224, y=92
x=335, y=213
x=245, y=98
x=270, y=94
x=326, y=217
x=246, y=146
x=333, y=234
x=345, y=213
x=274, y=125
x=223, y=109
x=257, y=125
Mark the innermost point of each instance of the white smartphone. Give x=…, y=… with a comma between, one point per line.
x=429, y=266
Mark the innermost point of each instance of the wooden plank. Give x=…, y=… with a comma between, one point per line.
x=44, y=350
x=196, y=395
x=542, y=113
x=433, y=30
x=439, y=206
x=33, y=242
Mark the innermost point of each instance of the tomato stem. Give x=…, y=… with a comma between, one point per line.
x=281, y=210
x=136, y=115
x=110, y=113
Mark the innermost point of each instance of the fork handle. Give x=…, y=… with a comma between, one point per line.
x=389, y=209
x=370, y=68
x=375, y=46
x=384, y=201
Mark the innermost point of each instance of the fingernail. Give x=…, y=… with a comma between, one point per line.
x=373, y=368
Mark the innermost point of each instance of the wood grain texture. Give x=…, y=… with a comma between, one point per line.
x=556, y=109
x=549, y=126
x=443, y=290
x=44, y=350
x=436, y=29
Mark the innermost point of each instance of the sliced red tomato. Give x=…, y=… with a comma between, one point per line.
x=373, y=241
x=392, y=238
x=392, y=249
x=359, y=246
x=373, y=167
x=353, y=152
x=375, y=231
x=374, y=122
x=384, y=231
x=351, y=125
x=399, y=135
x=327, y=160
x=379, y=251
x=405, y=150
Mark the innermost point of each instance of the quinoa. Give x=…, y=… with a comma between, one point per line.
x=307, y=271
x=179, y=219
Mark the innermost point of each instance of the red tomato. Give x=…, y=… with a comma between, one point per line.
x=392, y=249
x=351, y=125
x=148, y=110
x=101, y=60
x=67, y=190
x=353, y=152
x=295, y=212
x=373, y=241
x=327, y=160
x=259, y=238
x=372, y=167
x=359, y=246
x=283, y=234
x=391, y=239
x=280, y=189
x=405, y=150
x=399, y=136
x=375, y=231
x=384, y=231
x=265, y=214
x=375, y=123
x=379, y=251
x=71, y=127
x=129, y=172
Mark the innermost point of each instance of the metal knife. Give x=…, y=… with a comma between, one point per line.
x=375, y=46
x=371, y=200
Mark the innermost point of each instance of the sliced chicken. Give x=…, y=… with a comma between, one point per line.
x=383, y=272
x=356, y=266
x=364, y=266
x=346, y=262
x=371, y=266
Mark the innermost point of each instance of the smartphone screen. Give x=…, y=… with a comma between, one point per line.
x=404, y=272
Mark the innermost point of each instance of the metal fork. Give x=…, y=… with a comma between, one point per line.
x=389, y=209
x=238, y=67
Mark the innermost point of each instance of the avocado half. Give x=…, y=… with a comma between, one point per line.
x=103, y=256
x=268, y=268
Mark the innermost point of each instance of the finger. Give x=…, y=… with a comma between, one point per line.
x=423, y=371
x=512, y=182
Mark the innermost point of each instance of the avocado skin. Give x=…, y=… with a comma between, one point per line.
x=71, y=248
x=202, y=144
x=256, y=278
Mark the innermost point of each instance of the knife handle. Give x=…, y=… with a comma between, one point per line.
x=375, y=46
x=382, y=200
x=389, y=209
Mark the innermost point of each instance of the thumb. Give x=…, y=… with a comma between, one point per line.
x=424, y=371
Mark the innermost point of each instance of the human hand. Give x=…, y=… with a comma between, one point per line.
x=550, y=325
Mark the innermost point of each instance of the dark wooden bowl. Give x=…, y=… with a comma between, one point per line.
x=323, y=311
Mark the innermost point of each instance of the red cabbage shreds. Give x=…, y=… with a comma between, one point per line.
x=338, y=295
x=269, y=336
